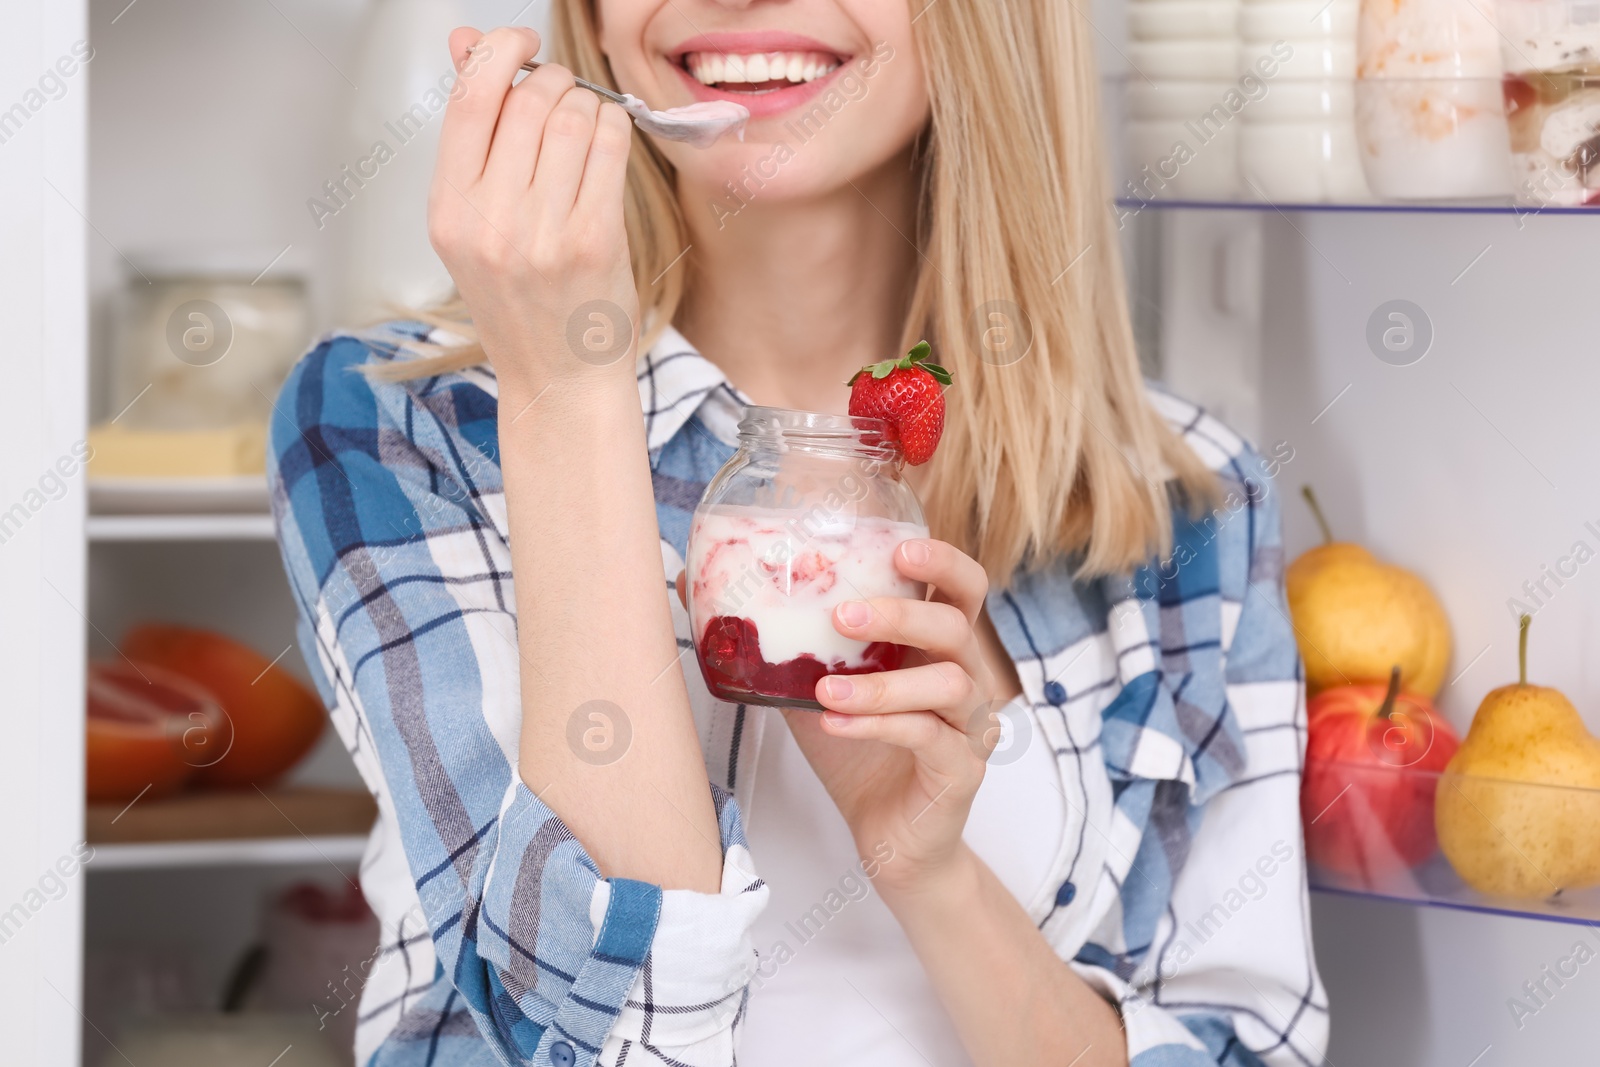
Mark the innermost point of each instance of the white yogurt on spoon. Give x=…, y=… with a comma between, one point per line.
x=700, y=124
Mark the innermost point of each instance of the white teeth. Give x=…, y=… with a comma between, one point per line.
x=713, y=68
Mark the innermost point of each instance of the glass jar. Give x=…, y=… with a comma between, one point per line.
x=1429, y=117
x=1551, y=51
x=804, y=516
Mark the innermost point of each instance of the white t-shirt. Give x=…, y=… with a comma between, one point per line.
x=853, y=990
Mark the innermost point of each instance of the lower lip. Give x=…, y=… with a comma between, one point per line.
x=762, y=105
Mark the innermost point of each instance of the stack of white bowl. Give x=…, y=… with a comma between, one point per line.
x=1298, y=142
x=1185, y=55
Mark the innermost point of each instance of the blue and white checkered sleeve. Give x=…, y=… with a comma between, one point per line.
x=407, y=612
x=1230, y=978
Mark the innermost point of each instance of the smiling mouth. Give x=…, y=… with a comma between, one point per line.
x=759, y=72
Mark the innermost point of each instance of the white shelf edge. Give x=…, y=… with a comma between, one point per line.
x=242, y=527
x=238, y=852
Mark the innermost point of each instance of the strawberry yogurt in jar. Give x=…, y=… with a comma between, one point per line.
x=806, y=515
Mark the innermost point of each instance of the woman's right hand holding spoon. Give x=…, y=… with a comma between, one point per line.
x=526, y=212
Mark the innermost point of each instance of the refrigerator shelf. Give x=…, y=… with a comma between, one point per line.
x=286, y=825
x=335, y=849
x=1465, y=842
x=1440, y=887
x=1132, y=205
x=240, y=527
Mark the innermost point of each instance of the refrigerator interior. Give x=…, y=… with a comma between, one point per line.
x=1472, y=467
x=211, y=129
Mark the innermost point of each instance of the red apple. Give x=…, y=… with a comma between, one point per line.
x=1367, y=795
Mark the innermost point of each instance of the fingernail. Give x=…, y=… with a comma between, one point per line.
x=916, y=552
x=837, y=720
x=854, y=613
x=838, y=688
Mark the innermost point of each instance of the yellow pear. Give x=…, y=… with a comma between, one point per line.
x=1356, y=618
x=1518, y=806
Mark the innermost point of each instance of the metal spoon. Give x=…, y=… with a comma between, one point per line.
x=698, y=124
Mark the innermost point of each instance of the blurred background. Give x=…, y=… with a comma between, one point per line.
x=256, y=175
x=195, y=189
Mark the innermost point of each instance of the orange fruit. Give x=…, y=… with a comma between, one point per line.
x=272, y=719
x=146, y=730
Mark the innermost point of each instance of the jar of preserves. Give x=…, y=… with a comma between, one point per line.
x=807, y=514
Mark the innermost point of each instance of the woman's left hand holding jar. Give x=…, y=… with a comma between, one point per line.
x=902, y=755
x=902, y=752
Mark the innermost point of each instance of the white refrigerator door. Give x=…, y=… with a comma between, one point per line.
x=43, y=233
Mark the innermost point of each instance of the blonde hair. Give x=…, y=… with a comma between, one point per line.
x=1060, y=453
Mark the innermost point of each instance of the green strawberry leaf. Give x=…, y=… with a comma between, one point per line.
x=912, y=360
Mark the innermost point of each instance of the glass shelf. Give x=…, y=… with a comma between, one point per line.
x=1453, y=841
x=1580, y=908
x=1403, y=208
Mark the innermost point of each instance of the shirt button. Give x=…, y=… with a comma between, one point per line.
x=1055, y=693
x=1065, y=894
x=561, y=1054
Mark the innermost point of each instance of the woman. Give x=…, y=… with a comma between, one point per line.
x=571, y=829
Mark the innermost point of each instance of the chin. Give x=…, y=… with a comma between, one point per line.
x=731, y=176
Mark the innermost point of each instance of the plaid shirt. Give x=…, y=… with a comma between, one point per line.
x=1172, y=699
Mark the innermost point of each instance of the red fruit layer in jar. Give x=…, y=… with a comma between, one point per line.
x=730, y=657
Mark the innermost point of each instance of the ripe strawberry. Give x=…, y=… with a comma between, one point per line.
x=905, y=393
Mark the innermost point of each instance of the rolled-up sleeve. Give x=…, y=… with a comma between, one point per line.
x=407, y=617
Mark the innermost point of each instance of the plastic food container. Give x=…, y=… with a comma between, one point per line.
x=1551, y=50
x=1308, y=160
x=1316, y=58
x=1318, y=100
x=1298, y=143
x=1428, y=106
x=1178, y=144
x=1433, y=138
x=806, y=515
x=1170, y=20
x=1298, y=20
x=1192, y=60
x=1203, y=170
x=1181, y=139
